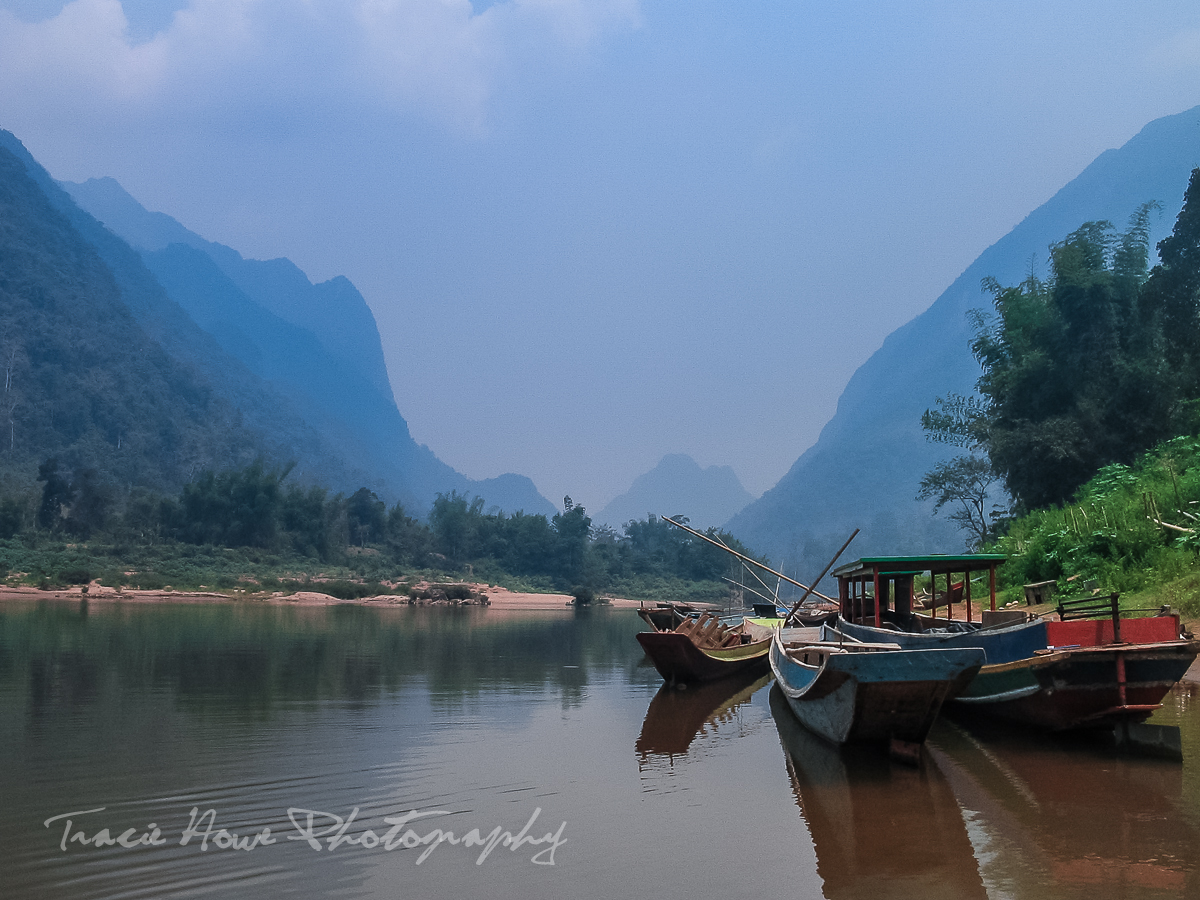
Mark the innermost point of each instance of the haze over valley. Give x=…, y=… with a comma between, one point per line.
x=566, y=242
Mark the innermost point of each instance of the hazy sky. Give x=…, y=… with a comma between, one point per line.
x=597, y=232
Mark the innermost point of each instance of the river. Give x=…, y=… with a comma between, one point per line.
x=239, y=750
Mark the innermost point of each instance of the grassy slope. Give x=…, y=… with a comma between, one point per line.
x=1117, y=536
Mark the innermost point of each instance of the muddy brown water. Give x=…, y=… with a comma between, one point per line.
x=241, y=751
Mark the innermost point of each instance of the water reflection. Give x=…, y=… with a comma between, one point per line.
x=251, y=658
x=149, y=711
x=676, y=717
x=1066, y=817
x=880, y=829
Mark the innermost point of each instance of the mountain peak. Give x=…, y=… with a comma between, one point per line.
x=678, y=486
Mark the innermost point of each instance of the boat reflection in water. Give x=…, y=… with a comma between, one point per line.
x=1065, y=817
x=880, y=830
x=677, y=717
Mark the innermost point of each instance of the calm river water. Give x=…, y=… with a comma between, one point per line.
x=526, y=755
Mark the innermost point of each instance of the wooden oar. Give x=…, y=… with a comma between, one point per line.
x=799, y=602
x=744, y=558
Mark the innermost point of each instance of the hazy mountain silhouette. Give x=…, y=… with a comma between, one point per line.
x=86, y=379
x=678, y=486
x=316, y=344
x=865, y=468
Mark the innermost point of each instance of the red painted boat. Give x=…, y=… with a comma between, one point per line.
x=1094, y=668
x=1083, y=678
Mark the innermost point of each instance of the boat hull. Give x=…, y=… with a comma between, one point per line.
x=679, y=661
x=1081, y=687
x=869, y=697
x=1000, y=645
x=1063, y=675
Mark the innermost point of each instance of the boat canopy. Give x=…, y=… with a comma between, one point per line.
x=890, y=583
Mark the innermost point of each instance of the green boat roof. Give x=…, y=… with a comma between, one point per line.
x=938, y=563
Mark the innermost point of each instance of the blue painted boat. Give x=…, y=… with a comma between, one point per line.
x=866, y=692
x=1002, y=644
x=1060, y=675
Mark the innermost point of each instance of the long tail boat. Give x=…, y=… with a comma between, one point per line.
x=706, y=648
x=1093, y=668
x=849, y=692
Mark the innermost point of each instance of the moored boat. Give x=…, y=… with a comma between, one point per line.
x=706, y=648
x=1094, y=668
x=850, y=692
x=1081, y=681
x=667, y=616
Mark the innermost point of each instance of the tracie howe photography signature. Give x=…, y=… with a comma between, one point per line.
x=326, y=832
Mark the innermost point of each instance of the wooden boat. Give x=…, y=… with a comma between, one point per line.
x=1001, y=644
x=706, y=648
x=1081, y=672
x=866, y=692
x=668, y=615
x=1082, y=680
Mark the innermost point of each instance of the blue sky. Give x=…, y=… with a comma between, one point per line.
x=597, y=232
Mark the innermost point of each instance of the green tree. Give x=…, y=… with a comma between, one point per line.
x=407, y=537
x=92, y=505
x=1171, y=295
x=366, y=516
x=309, y=517
x=1073, y=375
x=12, y=516
x=57, y=495
x=234, y=508
x=968, y=482
x=454, y=522
x=572, y=527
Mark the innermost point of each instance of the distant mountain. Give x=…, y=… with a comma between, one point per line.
x=678, y=486
x=318, y=345
x=865, y=468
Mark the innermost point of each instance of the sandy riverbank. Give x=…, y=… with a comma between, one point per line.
x=497, y=597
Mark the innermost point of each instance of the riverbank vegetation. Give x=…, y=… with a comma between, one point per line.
x=1086, y=419
x=251, y=530
x=1134, y=529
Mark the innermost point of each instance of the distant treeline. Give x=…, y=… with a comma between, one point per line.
x=255, y=507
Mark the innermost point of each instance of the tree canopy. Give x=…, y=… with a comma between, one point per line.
x=1090, y=366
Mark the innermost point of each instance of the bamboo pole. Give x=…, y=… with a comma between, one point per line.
x=808, y=591
x=754, y=562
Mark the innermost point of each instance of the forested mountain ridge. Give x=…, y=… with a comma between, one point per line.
x=317, y=344
x=333, y=312
x=82, y=378
x=865, y=469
